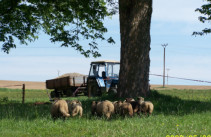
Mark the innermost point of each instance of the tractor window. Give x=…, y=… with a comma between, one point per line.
x=101, y=69
x=116, y=68
x=110, y=74
x=113, y=70
x=96, y=70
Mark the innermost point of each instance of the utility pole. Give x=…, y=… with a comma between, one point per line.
x=164, y=47
x=167, y=75
x=23, y=94
x=58, y=72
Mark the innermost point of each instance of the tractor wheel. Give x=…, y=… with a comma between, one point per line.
x=95, y=90
x=112, y=91
x=86, y=93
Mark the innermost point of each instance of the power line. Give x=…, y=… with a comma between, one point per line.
x=167, y=75
x=182, y=78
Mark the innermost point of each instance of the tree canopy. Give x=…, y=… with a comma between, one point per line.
x=205, y=10
x=66, y=21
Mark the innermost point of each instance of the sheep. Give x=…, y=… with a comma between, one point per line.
x=125, y=108
x=75, y=108
x=94, y=107
x=117, y=107
x=135, y=104
x=59, y=109
x=145, y=107
x=129, y=99
x=101, y=108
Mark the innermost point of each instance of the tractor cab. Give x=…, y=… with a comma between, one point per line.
x=103, y=75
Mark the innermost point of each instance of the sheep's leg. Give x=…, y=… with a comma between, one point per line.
x=63, y=118
x=145, y=113
x=74, y=113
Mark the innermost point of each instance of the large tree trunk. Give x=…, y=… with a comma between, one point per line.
x=135, y=20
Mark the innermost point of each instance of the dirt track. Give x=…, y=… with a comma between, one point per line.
x=41, y=85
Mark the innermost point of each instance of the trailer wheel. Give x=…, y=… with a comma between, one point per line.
x=53, y=94
x=59, y=93
x=69, y=93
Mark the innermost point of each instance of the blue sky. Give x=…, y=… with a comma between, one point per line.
x=173, y=22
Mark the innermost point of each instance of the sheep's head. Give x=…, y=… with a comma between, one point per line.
x=119, y=103
x=93, y=107
x=140, y=99
x=129, y=100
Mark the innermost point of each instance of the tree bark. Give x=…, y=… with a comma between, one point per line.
x=135, y=20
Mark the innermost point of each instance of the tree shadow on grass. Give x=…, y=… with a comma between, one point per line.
x=170, y=105
x=163, y=104
x=28, y=111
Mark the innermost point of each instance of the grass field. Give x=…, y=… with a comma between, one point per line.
x=177, y=112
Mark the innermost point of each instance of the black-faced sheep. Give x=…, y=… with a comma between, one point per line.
x=135, y=104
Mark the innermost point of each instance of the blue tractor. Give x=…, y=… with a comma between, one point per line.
x=103, y=77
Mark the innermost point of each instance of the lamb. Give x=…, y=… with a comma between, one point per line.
x=59, y=109
x=145, y=107
x=101, y=108
x=75, y=108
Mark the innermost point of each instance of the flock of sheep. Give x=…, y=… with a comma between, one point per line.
x=65, y=108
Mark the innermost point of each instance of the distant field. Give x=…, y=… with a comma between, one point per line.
x=168, y=87
x=41, y=85
x=18, y=84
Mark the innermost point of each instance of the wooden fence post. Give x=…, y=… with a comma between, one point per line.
x=23, y=97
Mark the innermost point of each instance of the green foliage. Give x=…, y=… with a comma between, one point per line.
x=205, y=10
x=66, y=22
x=177, y=112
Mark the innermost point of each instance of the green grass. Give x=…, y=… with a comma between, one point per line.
x=15, y=95
x=177, y=112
